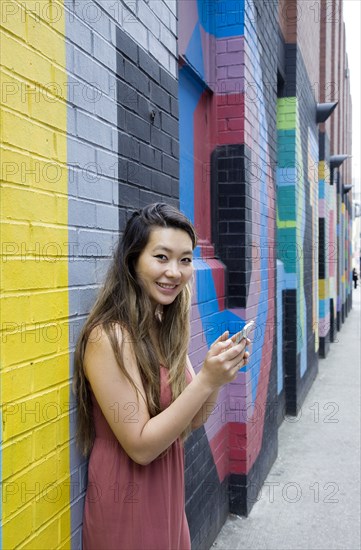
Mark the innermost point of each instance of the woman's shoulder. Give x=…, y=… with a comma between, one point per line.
x=101, y=334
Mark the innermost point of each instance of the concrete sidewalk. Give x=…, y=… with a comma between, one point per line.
x=311, y=497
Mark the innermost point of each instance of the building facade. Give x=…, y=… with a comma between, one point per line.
x=237, y=112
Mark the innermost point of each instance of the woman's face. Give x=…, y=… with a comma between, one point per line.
x=165, y=265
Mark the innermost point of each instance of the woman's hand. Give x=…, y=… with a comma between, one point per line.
x=223, y=361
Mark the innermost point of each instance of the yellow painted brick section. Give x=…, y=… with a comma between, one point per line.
x=46, y=539
x=35, y=367
x=47, y=370
x=34, y=342
x=24, y=522
x=50, y=47
x=62, y=431
x=50, y=12
x=17, y=382
x=29, y=414
x=20, y=168
x=36, y=308
x=64, y=537
x=66, y=545
x=38, y=274
x=25, y=134
x=54, y=498
x=322, y=289
x=321, y=170
x=63, y=462
x=13, y=17
x=20, y=381
x=29, y=485
x=45, y=108
x=18, y=455
x=44, y=440
x=12, y=90
x=22, y=60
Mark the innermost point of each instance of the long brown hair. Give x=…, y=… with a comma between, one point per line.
x=122, y=301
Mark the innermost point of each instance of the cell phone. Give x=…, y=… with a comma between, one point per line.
x=245, y=332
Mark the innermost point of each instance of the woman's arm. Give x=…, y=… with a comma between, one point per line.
x=208, y=406
x=144, y=438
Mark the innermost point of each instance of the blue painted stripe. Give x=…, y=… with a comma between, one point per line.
x=190, y=92
x=194, y=53
x=222, y=18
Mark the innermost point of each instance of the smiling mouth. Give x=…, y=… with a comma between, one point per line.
x=170, y=287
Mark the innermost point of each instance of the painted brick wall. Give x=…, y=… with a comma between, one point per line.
x=34, y=275
x=92, y=130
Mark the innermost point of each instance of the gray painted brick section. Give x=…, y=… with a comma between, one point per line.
x=100, y=134
x=100, y=189
x=170, y=166
x=146, y=197
x=127, y=96
x=158, y=51
x=105, y=108
x=92, y=14
x=159, y=96
x=148, y=65
x=79, y=33
x=138, y=174
x=160, y=140
x=161, y=183
x=107, y=163
x=169, y=125
x=80, y=154
x=94, y=244
x=137, y=127
x=169, y=83
x=104, y=52
x=83, y=212
x=107, y=216
x=89, y=70
x=150, y=157
x=152, y=22
x=82, y=94
x=128, y=146
x=129, y=195
x=136, y=78
x=127, y=47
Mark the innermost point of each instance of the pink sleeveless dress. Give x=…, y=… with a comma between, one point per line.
x=134, y=507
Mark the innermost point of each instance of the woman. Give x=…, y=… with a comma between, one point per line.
x=138, y=395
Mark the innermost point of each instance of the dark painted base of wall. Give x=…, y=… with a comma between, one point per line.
x=245, y=489
x=206, y=498
x=281, y=407
x=332, y=322
x=324, y=345
x=215, y=509
x=349, y=303
x=303, y=387
x=338, y=321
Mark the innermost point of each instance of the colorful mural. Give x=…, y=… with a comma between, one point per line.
x=297, y=235
x=206, y=31
x=97, y=121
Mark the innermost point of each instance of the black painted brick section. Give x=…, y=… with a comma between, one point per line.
x=148, y=148
x=231, y=222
